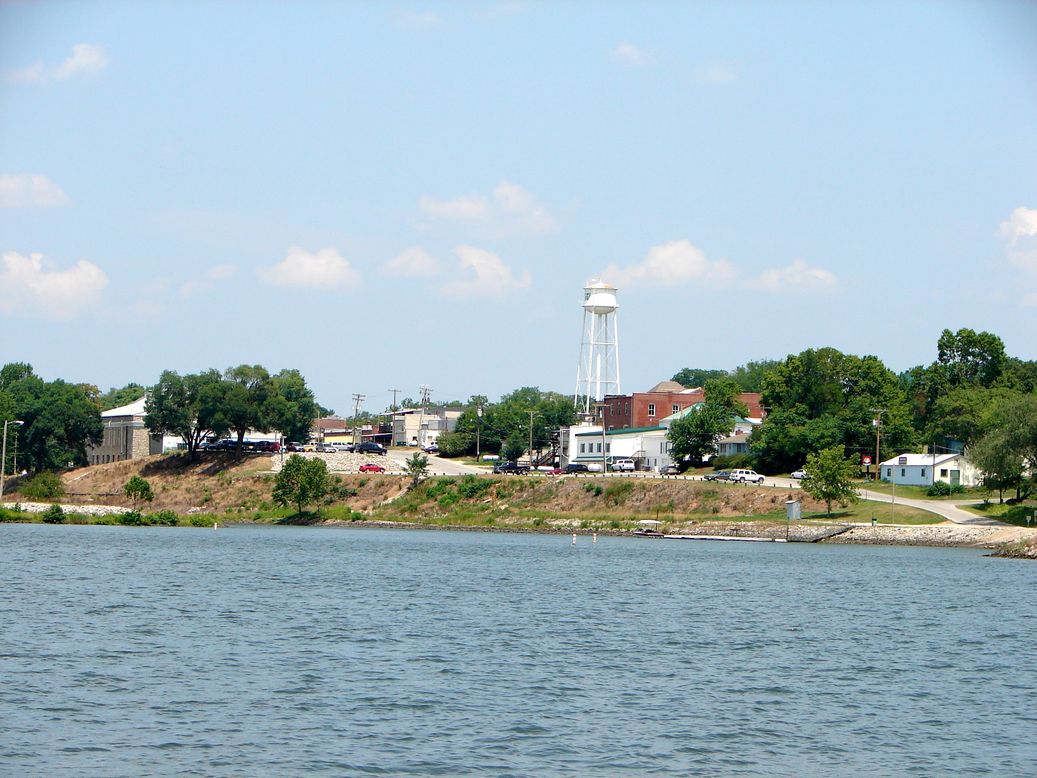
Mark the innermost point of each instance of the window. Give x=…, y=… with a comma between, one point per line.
x=651, y=409
x=599, y=448
x=676, y=409
x=889, y=472
x=903, y=472
x=583, y=448
x=608, y=448
x=923, y=472
x=943, y=472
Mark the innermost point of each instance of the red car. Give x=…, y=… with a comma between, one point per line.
x=371, y=468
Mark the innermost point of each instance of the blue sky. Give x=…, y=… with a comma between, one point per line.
x=385, y=195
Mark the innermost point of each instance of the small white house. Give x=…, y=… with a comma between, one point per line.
x=925, y=469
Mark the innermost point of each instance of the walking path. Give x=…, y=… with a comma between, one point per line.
x=948, y=510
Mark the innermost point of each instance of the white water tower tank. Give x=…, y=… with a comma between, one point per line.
x=597, y=373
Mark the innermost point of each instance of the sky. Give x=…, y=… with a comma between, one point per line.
x=391, y=195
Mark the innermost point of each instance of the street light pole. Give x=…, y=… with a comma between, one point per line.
x=3, y=451
x=478, y=431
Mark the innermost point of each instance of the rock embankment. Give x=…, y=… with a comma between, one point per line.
x=932, y=535
x=344, y=462
x=86, y=510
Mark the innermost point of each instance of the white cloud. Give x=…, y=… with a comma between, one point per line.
x=413, y=262
x=324, y=270
x=416, y=20
x=510, y=209
x=1020, y=233
x=716, y=74
x=676, y=262
x=492, y=277
x=208, y=280
x=798, y=278
x=628, y=54
x=30, y=191
x=500, y=10
x=86, y=59
x=28, y=286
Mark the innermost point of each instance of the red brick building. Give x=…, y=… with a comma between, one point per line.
x=647, y=409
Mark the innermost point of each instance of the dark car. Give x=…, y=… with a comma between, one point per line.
x=514, y=468
x=719, y=475
x=370, y=448
x=296, y=447
x=576, y=467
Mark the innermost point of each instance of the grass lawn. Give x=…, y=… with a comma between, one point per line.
x=917, y=492
x=1010, y=514
x=883, y=513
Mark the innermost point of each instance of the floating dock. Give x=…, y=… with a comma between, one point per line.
x=724, y=537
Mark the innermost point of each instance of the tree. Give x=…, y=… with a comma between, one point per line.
x=697, y=376
x=1001, y=466
x=830, y=478
x=970, y=358
x=302, y=481
x=513, y=447
x=417, y=468
x=245, y=400
x=138, y=490
x=190, y=406
x=60, y=421
x=116, y=398
x=821, y=398
x=694, y=436
x=291, y=408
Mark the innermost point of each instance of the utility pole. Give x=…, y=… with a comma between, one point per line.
x=531, y=413
x=394, y=393
x=357, y=399
x=425, y=392
x=877, y=422
x=478, y=431
x=392, y=417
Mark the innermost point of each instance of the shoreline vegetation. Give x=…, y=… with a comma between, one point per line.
x=226, y=491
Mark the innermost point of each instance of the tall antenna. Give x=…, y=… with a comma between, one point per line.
x=597, y=373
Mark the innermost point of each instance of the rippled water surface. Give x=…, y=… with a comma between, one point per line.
x=288, y=651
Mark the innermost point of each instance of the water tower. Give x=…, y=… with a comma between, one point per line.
x=598, y=370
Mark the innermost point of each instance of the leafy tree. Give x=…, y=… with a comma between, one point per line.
x=245, y=400
x=697, y=376
x=43, y=486
x=694, y=436
x=455, y=444
x=820, y=398
x=139, y=490
x=830, y=478
x=417, y=467
x=1001, y=466
x=60, y=421
x=514, y=447
x=972, y=358
x=116, y=398
x=302, y=481
x=291, y=408
x=190, y=406
x=750, y=375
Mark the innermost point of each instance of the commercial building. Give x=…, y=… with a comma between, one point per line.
x=926, y=469
x=647, y=409
x=125, y=436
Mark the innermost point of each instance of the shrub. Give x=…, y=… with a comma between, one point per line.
x=592, y=488
x=164, y=518
x=132, y=519
x=732, y=461
x=201, y=521
x=616, y=492
x=44, y=486
x=944, y=489
x=472, y=486
x=54, y=515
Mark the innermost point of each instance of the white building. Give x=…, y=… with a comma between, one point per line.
x=417, y=427
x=925, y=469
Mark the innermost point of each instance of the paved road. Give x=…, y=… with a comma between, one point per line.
x=948, y=510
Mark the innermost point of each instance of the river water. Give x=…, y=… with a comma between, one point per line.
x=261, y=651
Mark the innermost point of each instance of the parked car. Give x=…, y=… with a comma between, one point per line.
x=513, y=468
x=741, y=476
x=670, y=469
x=327, y=448
x=432, y=448
x=624, y=465
x=799, y=474
x=295, y=447
x=370, y=448
x=576, y=467
x=369, y=467
x=719, y=475
x=269, y=446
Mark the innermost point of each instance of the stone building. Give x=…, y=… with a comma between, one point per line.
x=125, y=436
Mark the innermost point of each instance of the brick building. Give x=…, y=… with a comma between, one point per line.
x=646, y=409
